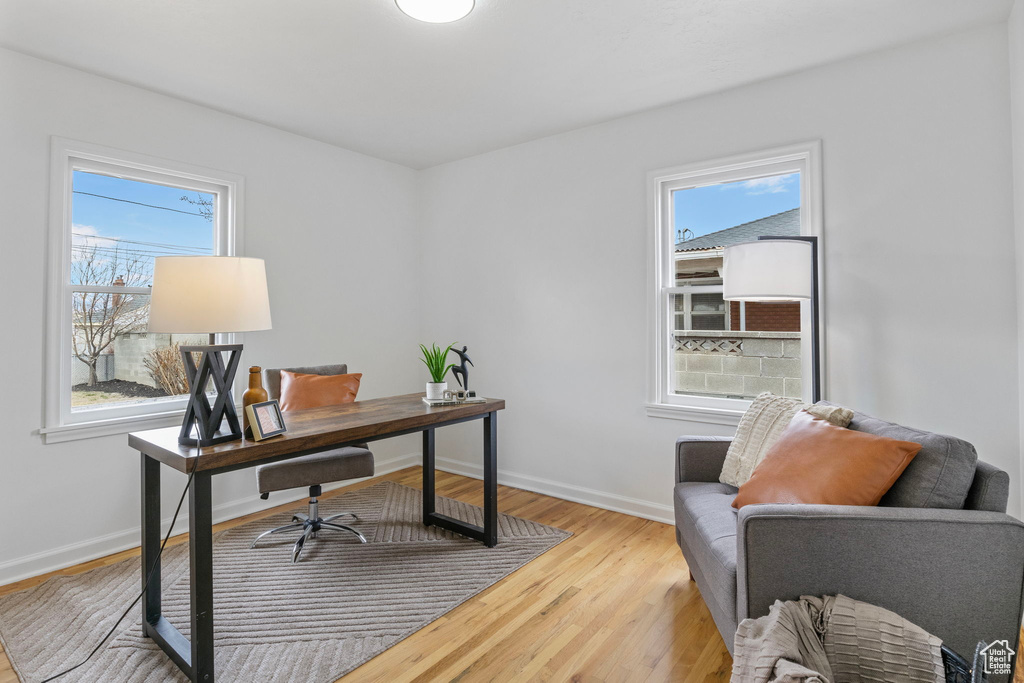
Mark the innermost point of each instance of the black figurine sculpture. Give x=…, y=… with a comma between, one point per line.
x=461, y=372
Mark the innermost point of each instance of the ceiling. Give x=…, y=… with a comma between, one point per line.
x=362, y=75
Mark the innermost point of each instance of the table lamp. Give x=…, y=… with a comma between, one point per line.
x=209, y=295
x=777, y=269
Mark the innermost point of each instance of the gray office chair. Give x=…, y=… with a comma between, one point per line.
x=339, y=464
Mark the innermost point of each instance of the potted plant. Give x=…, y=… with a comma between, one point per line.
x=434, y=358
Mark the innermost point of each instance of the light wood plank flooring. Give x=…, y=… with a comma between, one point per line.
x=612, y=603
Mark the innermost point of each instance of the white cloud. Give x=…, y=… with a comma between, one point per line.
x=88, y=236
x=769, y=185
x=87, y=243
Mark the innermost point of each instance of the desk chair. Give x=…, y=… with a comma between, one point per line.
x=339, y=464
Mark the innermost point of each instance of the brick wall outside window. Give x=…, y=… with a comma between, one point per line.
x=781, y=317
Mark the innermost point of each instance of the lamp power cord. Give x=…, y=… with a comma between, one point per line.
x=145, y=586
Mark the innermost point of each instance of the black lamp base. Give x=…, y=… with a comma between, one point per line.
x=220, y=436
x=217, y=423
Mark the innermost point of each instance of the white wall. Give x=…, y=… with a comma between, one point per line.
x=537, y=256
x=337, y=229
x=1016, y=36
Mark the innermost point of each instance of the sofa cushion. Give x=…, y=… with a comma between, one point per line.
x=939, y=477
x=707, y=521
x=818, y=463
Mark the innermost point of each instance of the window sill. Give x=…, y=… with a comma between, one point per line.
x=715, y=416
x=109, y=427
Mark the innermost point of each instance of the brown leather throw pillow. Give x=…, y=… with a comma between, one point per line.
x=300, y=391
x=817, y=462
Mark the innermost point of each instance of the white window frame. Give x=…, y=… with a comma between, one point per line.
x=60, y=423
x=803, y=158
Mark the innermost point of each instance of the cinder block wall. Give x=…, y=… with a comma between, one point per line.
x=132, y=348
x=738, y=363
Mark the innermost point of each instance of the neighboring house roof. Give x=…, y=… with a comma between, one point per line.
x=133, y=307
x=785, y=224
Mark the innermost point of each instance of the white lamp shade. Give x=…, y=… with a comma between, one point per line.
x=768, y=270
x=209, y=294
x=436, y=11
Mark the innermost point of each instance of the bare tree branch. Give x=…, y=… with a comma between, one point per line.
x=205, y=206
x=99, y=318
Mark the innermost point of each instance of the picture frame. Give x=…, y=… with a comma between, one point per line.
x=265, y=419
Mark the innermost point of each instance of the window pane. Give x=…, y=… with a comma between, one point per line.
x=708, y=302
x=719, y=348
x=702, y=214
x=114, y=361
x=119, y=226
x=697, y=268
x=678, y=312
x=708, y=322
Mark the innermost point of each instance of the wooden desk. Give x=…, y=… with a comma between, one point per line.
x=309, y=431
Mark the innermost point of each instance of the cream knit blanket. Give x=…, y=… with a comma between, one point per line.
x=834, y=639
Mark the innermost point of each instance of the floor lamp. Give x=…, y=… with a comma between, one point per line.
x=209, y=295
x=777, y=269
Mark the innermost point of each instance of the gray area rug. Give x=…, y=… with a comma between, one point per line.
x=340, y=605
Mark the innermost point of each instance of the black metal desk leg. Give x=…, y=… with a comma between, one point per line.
x=491, y=480
x=428, y=475
x=151, y=608
x=200, y=540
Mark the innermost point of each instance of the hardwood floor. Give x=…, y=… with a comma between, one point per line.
x=612, y=603
x=1018, y=672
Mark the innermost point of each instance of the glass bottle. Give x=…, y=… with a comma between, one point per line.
x=254, y=394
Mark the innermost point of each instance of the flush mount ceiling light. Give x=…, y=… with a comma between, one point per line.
x=436, y=11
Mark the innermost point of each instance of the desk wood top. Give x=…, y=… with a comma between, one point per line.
x=317, y=428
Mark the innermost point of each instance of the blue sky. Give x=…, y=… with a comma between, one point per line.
x=717, y=207
x=104, y=223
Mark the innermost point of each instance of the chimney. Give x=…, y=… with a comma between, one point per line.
x=119, y=282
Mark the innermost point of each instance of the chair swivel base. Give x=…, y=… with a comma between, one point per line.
x=310, y=525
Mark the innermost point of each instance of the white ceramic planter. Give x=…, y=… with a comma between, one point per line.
x=435, y=390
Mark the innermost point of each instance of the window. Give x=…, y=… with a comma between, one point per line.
x=711, y=356
x=112, y=214
x=697, y=310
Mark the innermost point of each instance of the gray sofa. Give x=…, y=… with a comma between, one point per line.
x=939, y=550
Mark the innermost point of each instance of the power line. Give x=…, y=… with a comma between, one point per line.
x=145, y=244
x=86, y=248
x=113, y=251
x=99, y=248
x=128, y=201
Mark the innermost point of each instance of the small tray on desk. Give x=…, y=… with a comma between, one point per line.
x=433, y=402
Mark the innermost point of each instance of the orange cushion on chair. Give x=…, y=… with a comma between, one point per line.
x=299, y=391
x=817, y=462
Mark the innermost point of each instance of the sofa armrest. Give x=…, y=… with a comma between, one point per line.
x=955, y=573
x=990, y=489
x=700, y=458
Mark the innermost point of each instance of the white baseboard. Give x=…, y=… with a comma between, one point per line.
x=90, y=549
x=577, y=494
